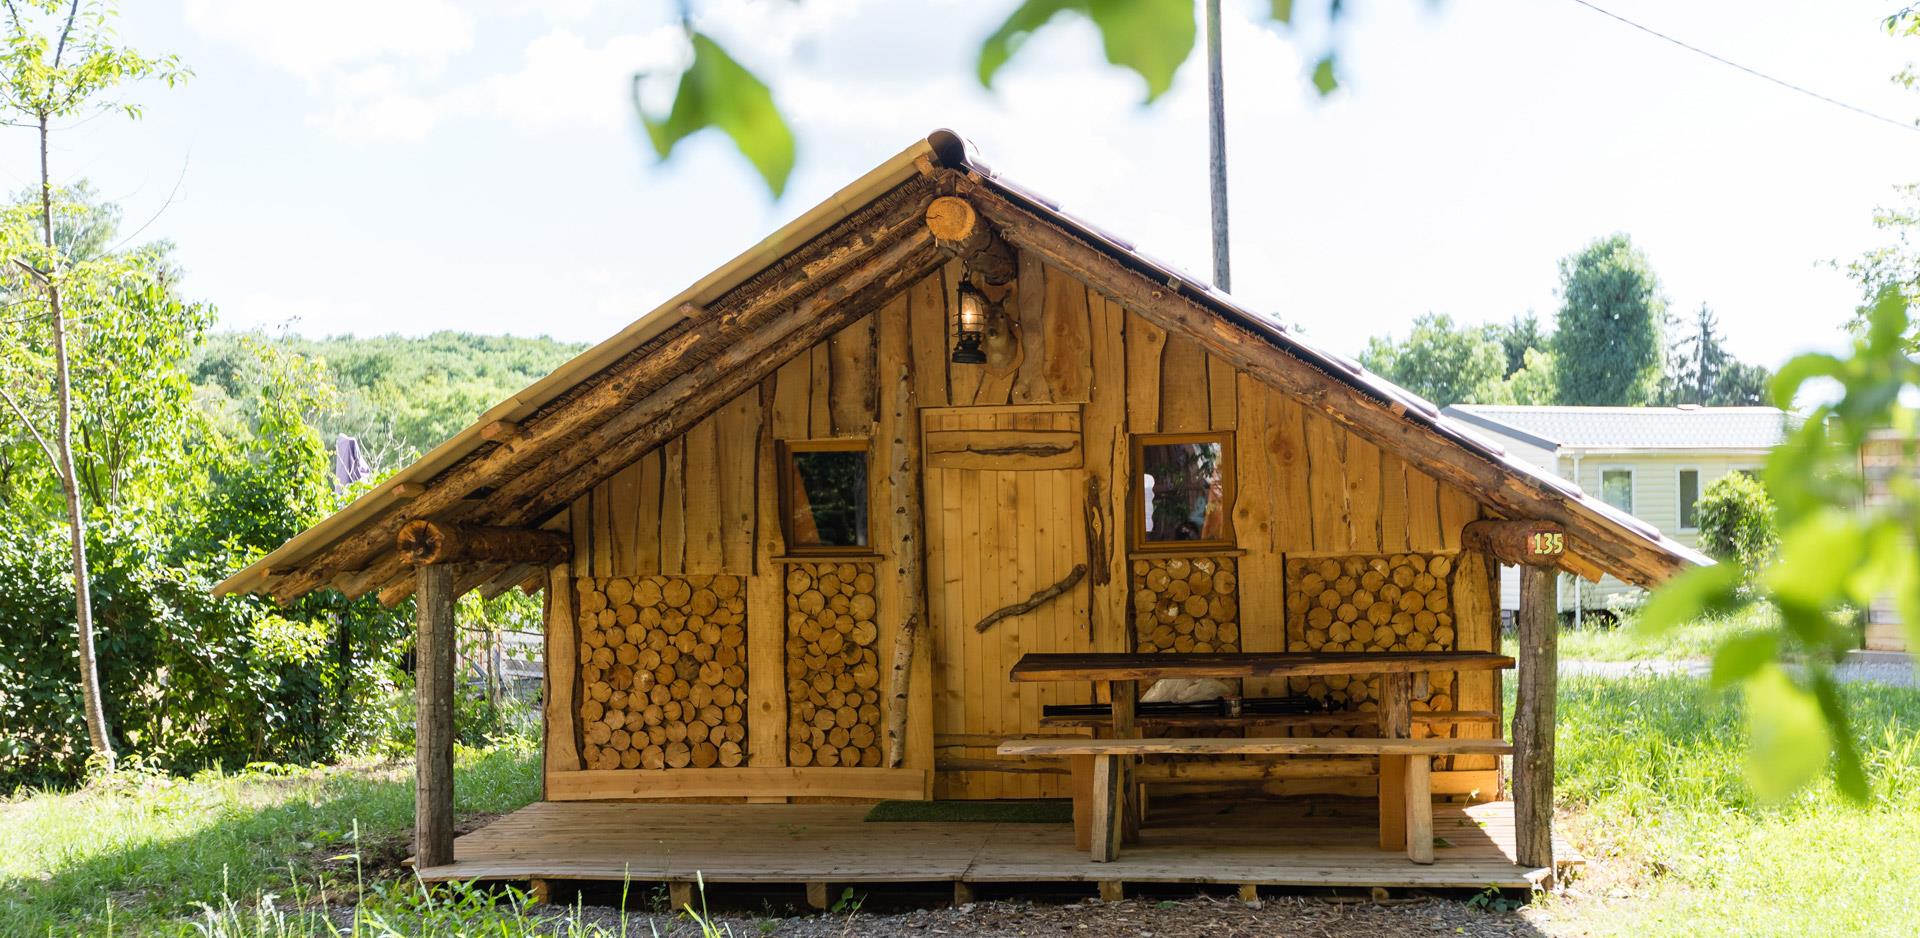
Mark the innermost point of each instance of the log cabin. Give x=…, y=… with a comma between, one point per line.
x=799, y=529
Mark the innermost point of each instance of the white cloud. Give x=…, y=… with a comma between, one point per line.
x=565, y=80
x=309, y=39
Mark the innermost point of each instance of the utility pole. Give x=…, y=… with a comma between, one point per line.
x=1217, y=148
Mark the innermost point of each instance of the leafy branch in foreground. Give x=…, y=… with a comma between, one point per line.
x=1151, y=38
x=1837, y=552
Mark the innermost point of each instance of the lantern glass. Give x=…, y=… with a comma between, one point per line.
x=970, y=327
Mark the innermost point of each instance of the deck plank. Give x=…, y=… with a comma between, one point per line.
x=1194, y=841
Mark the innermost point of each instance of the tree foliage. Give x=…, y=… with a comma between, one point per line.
x=1701, y=370
x=1607, y=337
x=1442, y=362
x=1737, y=523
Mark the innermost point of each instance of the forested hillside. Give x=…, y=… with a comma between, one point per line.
x=400, y=396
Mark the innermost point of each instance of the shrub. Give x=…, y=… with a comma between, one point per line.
x=1736, y=523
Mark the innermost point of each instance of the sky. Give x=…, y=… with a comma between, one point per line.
x=375, y=166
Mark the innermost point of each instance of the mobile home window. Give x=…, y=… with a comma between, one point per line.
x=1616, y=488
x=823, y=492
x=1183, y=489
x=1689, y=499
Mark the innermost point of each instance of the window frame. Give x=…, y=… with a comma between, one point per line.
x=1633, y=487
x=1679, y=499
x=784, y=483
x=1137, y=500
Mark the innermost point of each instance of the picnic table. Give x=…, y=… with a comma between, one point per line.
x=1101, y=766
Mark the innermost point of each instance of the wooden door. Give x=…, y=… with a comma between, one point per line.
x=1004, y=495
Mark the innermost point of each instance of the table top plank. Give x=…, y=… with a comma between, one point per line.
x=1211, y=746
x=1119, y=666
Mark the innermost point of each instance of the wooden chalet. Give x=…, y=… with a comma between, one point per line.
x=839, y=523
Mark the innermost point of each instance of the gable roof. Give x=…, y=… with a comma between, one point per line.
x=1625, y=428
x=815, y=265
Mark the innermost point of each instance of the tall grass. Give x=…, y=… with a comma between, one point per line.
x=1652, y=772
x=150, y=847
x=1597, y=641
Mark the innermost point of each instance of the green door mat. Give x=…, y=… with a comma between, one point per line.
x=1010, y=811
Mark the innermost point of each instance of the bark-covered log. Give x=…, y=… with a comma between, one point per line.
x=423, y=542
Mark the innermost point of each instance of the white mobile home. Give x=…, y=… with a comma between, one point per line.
x=1651, y=462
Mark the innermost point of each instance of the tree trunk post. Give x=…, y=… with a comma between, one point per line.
x=1533, y=719
x=433, y=704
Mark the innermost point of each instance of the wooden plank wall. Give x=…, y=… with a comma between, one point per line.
x=1072, y=361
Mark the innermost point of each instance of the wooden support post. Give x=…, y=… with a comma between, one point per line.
x=680, y=895
x=1109, y=803
x=1112, y=890
x=1125, y=696
x=1250, y=894
x=1533, y=716
x=1082, y=769
x=962, y=893
x=817, y=895
x=1419, y=808
x=433, y=731
x=1396, y=722
x=539, y=892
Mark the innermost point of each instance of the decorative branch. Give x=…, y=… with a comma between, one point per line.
x=1036, y=600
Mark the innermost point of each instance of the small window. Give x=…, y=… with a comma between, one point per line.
x=1183, y=488
x=1689, y=499
x=823, y=492
x=1616, y=488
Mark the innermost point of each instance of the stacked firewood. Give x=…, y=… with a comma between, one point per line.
x=1394, y=602
x=1185, y=604
x=833, y=671
x=663, y=673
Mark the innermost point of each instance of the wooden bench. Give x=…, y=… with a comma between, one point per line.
x=1099, y=773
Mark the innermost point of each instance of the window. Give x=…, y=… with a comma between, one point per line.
x=1689, y=499
x=1616, y=488
x=1183, y=485
x=823, y=495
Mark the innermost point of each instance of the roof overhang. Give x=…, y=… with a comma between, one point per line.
x=1623, y=545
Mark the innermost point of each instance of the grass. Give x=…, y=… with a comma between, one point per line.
x=1651, y=780
x=1650, y=784
x=148, y=849
x=1693, y=641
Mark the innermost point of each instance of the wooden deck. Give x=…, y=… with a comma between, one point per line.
x=1318, y=843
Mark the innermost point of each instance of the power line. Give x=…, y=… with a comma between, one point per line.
x=1903, y=125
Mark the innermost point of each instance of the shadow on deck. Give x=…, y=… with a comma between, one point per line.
x=1322, y=842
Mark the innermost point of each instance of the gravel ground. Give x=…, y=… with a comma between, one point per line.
x=1210, y=917
x=1894, y=671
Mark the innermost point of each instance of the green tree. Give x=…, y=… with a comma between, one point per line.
x=1442, y=362
x=60, y=62
x=1607, y=341
x=1702, y=371
x=1536, y=382
x=1517, y=338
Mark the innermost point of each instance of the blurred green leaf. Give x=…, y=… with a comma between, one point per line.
x=1816, y=557
x=1741, y=656
x=1697, y=592
x=1150, y=37
x=1282, y=11
x=716, y=91
x=1787, y=736
x=1324, y=80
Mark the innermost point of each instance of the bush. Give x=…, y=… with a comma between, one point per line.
x=189, y=680
x=1737, y=524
